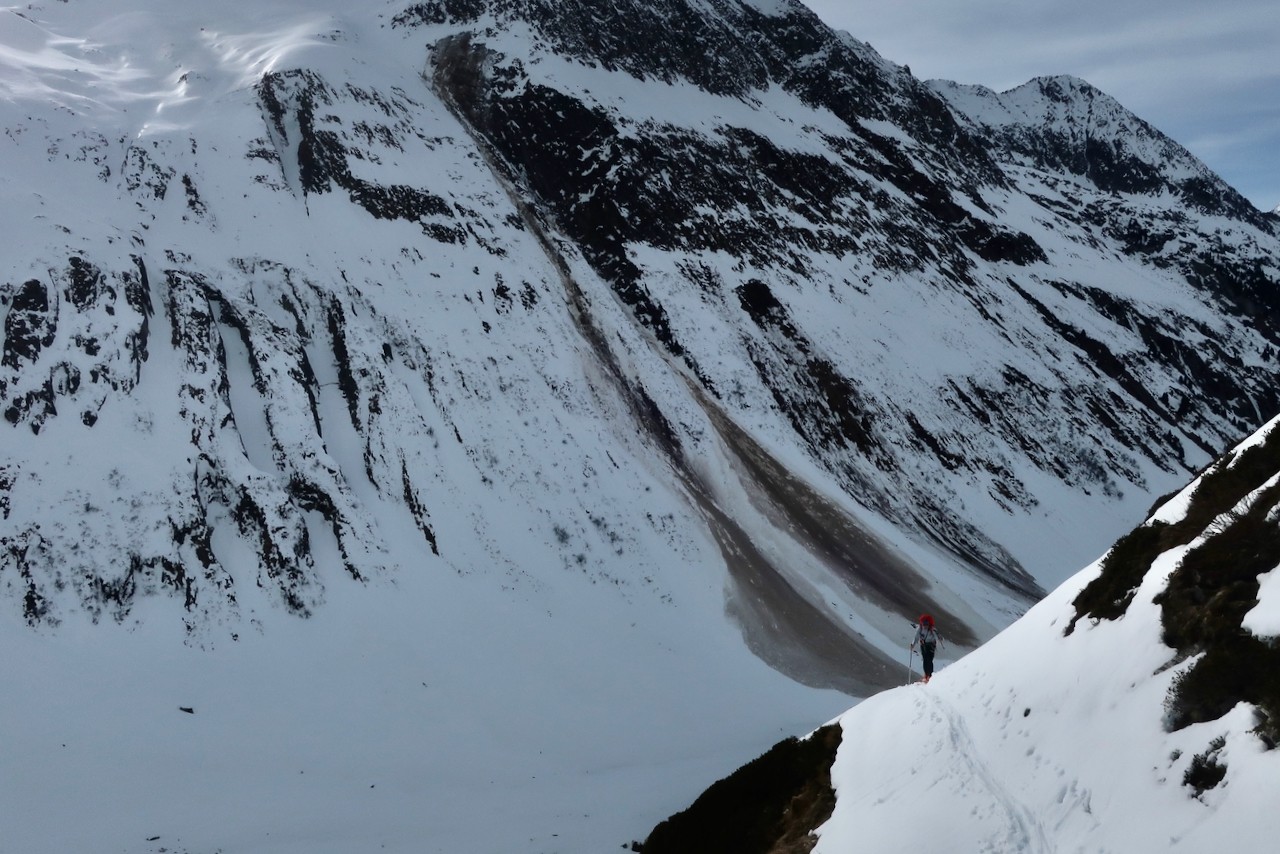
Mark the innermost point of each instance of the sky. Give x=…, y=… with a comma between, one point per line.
x=1206, y=74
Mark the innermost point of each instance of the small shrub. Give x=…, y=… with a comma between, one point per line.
x=1227, y=485
x=1205, y=771
x=1108, y=596
x=1202, y=611
x=768, y=805
x=1215, y=585
x=1211, y=506
x=1268, y=726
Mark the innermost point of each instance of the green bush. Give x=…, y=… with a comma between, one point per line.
x=1205, y=771
x=1215, y=585
x=1220, y=490
x=1108, y=596
x=1202, y=611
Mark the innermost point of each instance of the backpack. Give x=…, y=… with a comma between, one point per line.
x=926, y=631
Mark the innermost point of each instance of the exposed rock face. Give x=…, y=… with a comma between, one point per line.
x=679, y=284
x=926, y=196
x=768, y=806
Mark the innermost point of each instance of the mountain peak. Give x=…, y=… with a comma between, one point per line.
x=1064, y=87
x=1064, y=123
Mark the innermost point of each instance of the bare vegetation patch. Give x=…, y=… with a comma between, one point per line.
x=771, y=805
x=1207, y=596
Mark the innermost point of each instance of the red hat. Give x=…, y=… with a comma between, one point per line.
x=926, y=619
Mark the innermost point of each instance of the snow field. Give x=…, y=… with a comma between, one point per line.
x=1044, y=743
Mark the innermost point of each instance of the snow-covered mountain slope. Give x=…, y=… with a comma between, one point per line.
x=1064, y=125
x=325, y=338
x=906, y=220
x=1136, y=708
x=652, y=360
x=358, y=284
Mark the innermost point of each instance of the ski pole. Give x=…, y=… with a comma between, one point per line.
x=910, y=656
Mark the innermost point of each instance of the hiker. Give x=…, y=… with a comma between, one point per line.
x=927, y=637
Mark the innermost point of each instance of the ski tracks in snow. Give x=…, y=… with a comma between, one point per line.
x=1014, y=826
x=942, y=787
